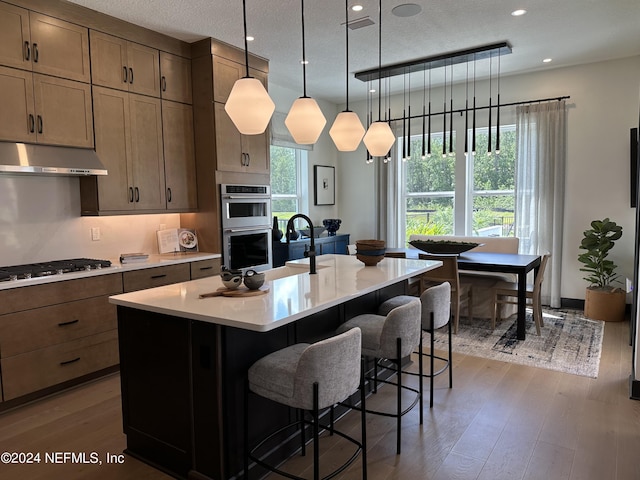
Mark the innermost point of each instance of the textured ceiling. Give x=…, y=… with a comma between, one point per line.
x=569, y=31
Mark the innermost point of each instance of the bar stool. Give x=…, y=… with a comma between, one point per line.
x=390, y=337
x=309, y=378
x=436, y=313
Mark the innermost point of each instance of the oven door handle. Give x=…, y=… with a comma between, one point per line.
x=244, y=197
x=247, y=229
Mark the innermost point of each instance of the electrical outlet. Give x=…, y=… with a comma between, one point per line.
x=95, y=233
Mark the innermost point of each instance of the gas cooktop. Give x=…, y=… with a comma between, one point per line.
x=56, y=267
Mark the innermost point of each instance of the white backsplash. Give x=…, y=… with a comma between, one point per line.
x=40, y=220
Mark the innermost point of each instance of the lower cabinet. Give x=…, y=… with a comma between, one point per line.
x=294, y=250
x=57, y=332
x=54, y=334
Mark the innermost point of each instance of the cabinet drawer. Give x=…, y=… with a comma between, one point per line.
x=155, y=277
x=205, y=268
x=42, y=327
x=35, y=296
x=29, y=372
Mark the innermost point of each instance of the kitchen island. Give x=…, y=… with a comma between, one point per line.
x=184, y=358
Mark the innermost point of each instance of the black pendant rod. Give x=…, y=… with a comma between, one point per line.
x=246, y=45
x=304, y=56
x=463, y=110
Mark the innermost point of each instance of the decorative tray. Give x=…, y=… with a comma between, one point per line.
x=443, y=247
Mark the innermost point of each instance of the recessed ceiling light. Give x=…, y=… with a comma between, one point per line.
x=250, y=38
x=357, y=8
x=406, y=10
x=518, y=13
x=547, y=60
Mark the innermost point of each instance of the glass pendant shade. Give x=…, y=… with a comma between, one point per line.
x=379, y=139
x=305, y=121
x=347, y=131
x=249, y=106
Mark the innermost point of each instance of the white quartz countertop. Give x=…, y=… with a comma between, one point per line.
x=154, y=260
x=292, y=294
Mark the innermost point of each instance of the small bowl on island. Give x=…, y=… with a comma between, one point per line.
x=253, y=280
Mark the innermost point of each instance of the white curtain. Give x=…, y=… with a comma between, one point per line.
x=540, y=177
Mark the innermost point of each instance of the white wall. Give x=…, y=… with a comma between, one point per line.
x=602, y=108
x=40, y=220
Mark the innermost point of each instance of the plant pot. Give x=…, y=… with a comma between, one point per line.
x=605, y=304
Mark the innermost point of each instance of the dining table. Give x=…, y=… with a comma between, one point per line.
x=515, y=263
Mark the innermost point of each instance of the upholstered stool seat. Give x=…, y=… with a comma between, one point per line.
x=435, y=313
x=391, y=337
x=309, y=377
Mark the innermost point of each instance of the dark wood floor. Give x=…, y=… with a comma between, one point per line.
x=500, y=421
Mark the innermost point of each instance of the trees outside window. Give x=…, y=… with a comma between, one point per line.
x=286, y=197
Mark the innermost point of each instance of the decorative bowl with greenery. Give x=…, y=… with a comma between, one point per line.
x=598, y=241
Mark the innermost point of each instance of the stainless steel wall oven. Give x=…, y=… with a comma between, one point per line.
x=246, y=226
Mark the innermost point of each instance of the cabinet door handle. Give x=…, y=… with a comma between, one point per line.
x=169, y=194
x=153, y=277
x=35, y=53
x=39, y=124
x=32, y=123
x=70, y=322
x=124, y=74
x=205, y=268
x=248, y=159
x=27, y=51
x=163, y=82
x=137, y=194
x=62, y=364
x=130, y=75
x=130, y=194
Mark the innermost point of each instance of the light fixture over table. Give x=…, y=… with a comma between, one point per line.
x=305, y=120
x=249, y=105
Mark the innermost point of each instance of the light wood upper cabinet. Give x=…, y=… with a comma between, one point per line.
x=45, y=109
x=32, y=41
x=179, y=156
x=63, y=111
x=129, y=143
x=225, y=74
x=129, y=66
x=15, y=37
x=236, y=152
x=17, y=122
x=175, y=78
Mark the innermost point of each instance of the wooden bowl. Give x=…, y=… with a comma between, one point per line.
x=369, y=260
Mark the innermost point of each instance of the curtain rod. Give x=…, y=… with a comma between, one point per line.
x=462, y=110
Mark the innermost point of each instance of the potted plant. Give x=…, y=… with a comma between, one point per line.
x=603, y=301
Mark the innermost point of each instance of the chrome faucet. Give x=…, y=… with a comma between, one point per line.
x=311, y=253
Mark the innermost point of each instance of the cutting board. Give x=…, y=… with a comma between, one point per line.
x=235, y=292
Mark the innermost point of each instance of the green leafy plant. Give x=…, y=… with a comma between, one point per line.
x=597, y=242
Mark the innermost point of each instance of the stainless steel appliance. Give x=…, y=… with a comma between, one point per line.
x=246, y=226
x=56, y=267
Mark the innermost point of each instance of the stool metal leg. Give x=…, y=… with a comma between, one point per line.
x=246, y=429
x=450, y=358
x=363, y=421
x=303, y=439
x=316, y=434
x=432, y=360
x=421, y=376
x=399, y=393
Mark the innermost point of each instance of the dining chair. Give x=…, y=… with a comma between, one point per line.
x=504, y=293
x=461, y=293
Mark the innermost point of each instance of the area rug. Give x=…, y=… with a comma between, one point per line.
x=568, y=342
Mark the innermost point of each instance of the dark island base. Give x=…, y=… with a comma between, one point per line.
x=183, y=385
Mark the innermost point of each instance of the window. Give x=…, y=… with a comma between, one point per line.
x=286, y=197
x=439, y=198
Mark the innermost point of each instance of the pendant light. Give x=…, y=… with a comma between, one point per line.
x=451, y=112
x=429, y=118
x=498, y=111
x=249, y=105
x=305, y=120
x=379, y=137
x=444, y=115
x=473, y=137
x=424, y=111
x=489, y=131
x=466, y=113
x=347, y=130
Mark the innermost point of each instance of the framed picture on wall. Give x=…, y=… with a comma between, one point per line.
x=324, y=185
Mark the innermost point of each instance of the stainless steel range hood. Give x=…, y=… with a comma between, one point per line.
x=26, y=158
